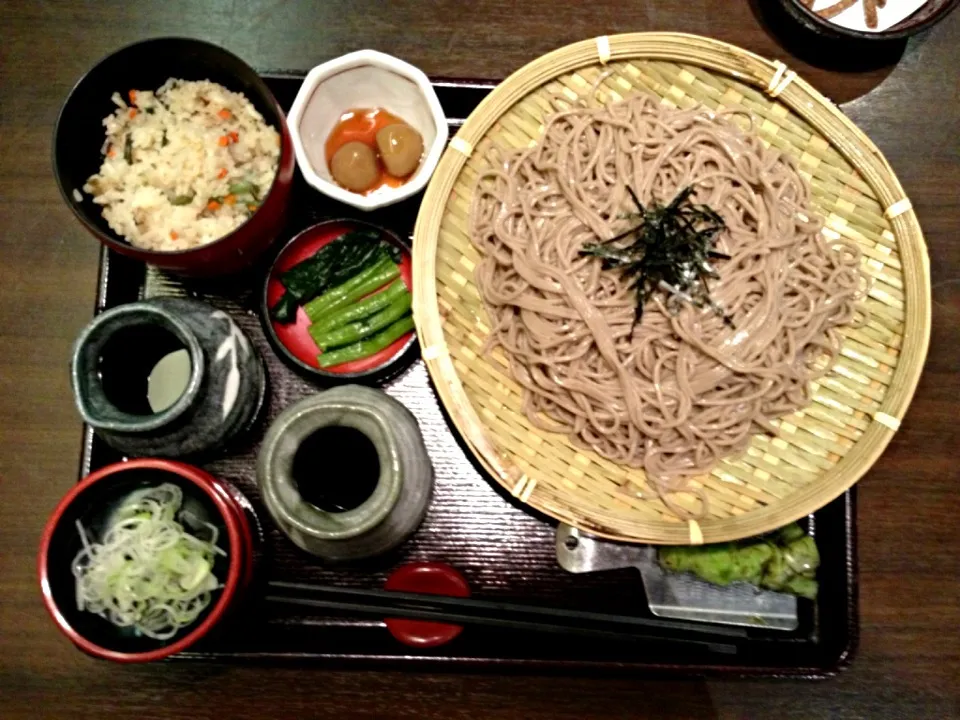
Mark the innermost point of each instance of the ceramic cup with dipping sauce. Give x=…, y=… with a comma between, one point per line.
x=365, y=79
x=345, y=473
x=167, y=377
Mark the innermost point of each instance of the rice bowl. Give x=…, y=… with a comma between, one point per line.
x=183, y=166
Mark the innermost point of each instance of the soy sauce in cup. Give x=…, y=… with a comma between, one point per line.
x=336, y=468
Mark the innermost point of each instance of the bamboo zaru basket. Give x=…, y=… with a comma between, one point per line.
x=820, y=451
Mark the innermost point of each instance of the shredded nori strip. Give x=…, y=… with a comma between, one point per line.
x=669, y=250
x=332, y=265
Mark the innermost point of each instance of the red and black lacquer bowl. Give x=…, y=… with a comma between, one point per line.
x=79, y=134
x=92, y=501
x=292, y=342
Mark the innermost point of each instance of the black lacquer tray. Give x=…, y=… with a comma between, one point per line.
x=504, y=551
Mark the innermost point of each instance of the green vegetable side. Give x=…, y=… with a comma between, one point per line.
x=352, y=293
x=368, y=347
x=352, y=332
x=785, y=561
x=332, y=265
x=352, y=290
x=361, y=309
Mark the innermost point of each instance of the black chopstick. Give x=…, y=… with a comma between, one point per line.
x=513, y=616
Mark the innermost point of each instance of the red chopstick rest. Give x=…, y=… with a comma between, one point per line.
x=431, y=578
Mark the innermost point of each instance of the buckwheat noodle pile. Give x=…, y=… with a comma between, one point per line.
x=681, y=390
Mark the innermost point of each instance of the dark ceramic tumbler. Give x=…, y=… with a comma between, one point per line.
x=114, y=361
x=384, y=513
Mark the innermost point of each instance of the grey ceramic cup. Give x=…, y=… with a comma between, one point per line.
x=399, y=500
x=113, y=358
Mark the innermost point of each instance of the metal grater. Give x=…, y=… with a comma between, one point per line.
x=676, y=595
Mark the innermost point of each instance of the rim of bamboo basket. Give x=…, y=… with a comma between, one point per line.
x=830, y=123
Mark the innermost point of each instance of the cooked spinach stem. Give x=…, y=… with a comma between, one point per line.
x=370, y=346
x=355, y=331
x=362, y=308
x=335, y=263
x=128, y=149
x=362, y=284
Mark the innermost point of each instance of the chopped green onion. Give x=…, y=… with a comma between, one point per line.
x=147, y=572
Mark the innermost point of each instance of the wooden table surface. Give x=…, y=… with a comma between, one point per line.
x=907, y=98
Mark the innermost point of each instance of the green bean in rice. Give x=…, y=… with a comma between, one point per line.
x=183, y=166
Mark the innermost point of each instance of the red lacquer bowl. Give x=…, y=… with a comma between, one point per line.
x=292, y=342
x=79, y=135
x=91, y=502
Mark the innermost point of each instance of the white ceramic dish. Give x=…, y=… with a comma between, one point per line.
x=365, y=79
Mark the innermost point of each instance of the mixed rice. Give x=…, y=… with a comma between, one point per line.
x=183, y=166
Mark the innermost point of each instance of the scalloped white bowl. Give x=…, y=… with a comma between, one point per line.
x=365, y=79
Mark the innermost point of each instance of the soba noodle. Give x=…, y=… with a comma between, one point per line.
x=681, y=390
